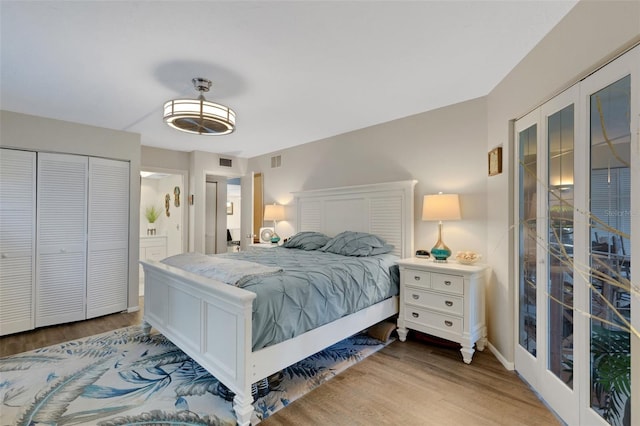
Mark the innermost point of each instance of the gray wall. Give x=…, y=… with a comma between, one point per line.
x=444, y=150
x=43, y=134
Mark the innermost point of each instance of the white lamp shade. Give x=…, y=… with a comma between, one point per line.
x=273, y=212
x=441, y=207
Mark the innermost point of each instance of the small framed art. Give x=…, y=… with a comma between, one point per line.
x=495, y=161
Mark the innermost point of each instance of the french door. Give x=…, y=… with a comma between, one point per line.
x=577, y=201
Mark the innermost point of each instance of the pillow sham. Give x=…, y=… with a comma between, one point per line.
x=307, y=240
x=350, y=243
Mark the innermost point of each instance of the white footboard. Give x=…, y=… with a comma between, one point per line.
x=209, y=320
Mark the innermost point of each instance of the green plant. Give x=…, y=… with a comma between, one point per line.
x=152, y=214
x=611, y=351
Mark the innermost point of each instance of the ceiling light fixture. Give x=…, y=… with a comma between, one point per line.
x=199, y=116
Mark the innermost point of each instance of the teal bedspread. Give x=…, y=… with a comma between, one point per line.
x=314, y=288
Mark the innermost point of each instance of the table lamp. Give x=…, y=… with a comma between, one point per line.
x=275, y=213
x=441, y=207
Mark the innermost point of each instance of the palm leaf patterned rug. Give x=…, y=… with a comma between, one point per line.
x=124, y=377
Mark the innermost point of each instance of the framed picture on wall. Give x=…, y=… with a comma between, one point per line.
x=495, y=161
x=229, y=207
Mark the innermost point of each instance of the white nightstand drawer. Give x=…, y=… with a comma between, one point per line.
x=448, y=283
x=416, y=278
x=427, y=318
x=443, y=302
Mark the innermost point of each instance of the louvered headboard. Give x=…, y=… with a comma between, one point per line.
x=383, y=209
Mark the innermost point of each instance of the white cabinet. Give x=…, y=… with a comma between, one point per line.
x=17, y=237
x=444, y=300
x=151, y=248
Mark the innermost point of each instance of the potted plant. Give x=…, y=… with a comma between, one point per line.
x=152, y=214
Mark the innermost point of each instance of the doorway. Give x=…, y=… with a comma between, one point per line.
x=164, y=193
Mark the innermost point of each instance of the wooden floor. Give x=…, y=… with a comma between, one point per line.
x=410, y=383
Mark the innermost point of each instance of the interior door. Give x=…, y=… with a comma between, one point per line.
x=527, y=210
x=210, y=219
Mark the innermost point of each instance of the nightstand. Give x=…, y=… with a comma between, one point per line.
x=445, y=300
x=261, y=245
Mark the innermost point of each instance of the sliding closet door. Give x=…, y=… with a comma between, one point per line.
x=17, y=240
x=108, y=238
x=578, y=207
x=612, y=196
x=61, y=236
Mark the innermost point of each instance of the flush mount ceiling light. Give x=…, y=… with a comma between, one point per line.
x=199, y=116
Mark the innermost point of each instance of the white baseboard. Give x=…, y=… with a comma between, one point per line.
x=133, y=309
x=506, y=364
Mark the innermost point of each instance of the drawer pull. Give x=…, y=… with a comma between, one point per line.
x=416, y=278
x=448, y=303
x=415, y=296
x=415, y=314
x=448, y=323
x=447, y=283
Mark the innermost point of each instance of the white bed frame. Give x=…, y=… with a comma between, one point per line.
x=211, y=321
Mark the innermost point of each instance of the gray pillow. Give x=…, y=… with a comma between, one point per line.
x=350, y=243
x=307, y=240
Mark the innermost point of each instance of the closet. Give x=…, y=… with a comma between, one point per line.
x=77, y=250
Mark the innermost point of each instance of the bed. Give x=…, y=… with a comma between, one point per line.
x=211, y=321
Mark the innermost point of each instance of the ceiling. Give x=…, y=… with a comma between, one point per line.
x=294, y=71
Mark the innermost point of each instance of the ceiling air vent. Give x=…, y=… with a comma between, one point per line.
x=276, y=161
x=225, y=162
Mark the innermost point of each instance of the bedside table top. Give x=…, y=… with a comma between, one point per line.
x=447, y=266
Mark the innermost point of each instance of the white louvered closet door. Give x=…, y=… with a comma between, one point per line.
x=108, y=237
x=17, y=240
x=62, y=230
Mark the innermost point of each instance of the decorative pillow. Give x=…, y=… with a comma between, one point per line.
x=350, y=243
x=307, y=240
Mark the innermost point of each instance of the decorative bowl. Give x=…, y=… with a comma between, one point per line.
x=467, y=257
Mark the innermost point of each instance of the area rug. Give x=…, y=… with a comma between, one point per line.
x=124, y=377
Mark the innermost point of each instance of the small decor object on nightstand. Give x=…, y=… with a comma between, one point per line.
x=467, y=257
x=495, y=161
x=423, y=254
x=265, y=235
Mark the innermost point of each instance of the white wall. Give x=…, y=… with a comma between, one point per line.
x=43, y=134
x=590, y=35
x=444, y=149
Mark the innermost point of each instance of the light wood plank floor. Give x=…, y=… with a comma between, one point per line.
x=410, y=383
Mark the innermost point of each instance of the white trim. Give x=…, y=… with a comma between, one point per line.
x=505, y=363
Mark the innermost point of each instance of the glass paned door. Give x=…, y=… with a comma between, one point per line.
x=610, y=251
x=528, y=206
x=578, y=207
x=560, y=147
